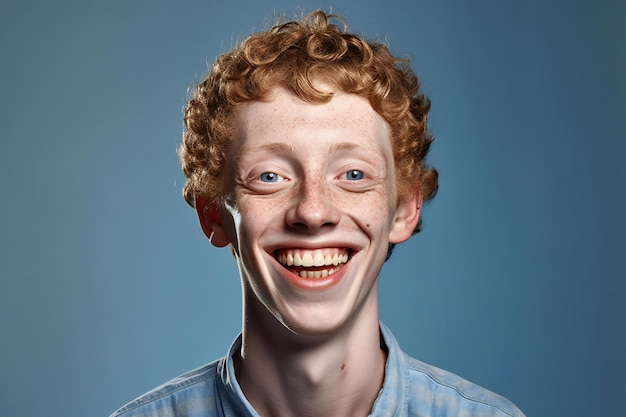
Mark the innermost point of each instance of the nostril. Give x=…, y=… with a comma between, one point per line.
x=313, y=212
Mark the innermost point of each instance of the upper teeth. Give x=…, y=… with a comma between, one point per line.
x=311, y=258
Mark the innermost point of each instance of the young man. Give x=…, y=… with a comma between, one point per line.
x=305, y=150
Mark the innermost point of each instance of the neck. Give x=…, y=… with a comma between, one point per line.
x=286, y=374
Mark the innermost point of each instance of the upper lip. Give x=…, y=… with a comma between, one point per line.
x=302, y=244
x=326, y=247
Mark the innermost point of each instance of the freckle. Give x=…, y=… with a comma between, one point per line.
x=368, y=225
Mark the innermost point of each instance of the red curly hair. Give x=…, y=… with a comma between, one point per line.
x=296, y=55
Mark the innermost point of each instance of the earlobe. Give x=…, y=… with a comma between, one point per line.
x=211, y=223
x=407, y=217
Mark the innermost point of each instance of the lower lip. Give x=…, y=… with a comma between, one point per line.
x=313, y=284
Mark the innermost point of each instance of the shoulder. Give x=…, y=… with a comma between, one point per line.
x=451, y=394
x=190, y=393
x=414, y=388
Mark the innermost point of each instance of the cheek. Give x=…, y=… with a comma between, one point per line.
x=251, y=205
x=371, y=210
x=257, y=214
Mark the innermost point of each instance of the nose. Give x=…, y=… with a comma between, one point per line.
x=313, y=207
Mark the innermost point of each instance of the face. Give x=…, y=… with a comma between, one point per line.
x=312, y=208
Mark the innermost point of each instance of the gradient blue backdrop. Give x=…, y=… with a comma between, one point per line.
x=108, y=286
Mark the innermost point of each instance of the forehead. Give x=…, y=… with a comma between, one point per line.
x=284, y=117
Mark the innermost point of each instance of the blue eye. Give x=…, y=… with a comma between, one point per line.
x=269, y=177
x=354, y=175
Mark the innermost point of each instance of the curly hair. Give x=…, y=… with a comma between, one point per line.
x=296, y=55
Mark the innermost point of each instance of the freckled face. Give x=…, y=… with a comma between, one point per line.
x=313, y=207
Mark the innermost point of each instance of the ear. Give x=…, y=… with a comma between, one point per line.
x=407, y=216
x=211, y=223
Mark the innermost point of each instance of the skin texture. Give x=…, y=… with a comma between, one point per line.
x=310, y=179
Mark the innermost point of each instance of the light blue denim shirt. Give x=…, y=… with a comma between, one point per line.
x=411, y=388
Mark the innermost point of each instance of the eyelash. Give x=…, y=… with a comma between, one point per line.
x=351, y=175
x=358, y=172
x=273, y=176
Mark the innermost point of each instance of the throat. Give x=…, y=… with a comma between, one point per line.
x=328, y=378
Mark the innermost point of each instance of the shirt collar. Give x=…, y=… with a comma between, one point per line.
x=233, y=401
x=391, y=399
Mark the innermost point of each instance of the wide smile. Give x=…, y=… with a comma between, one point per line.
x=317, y=263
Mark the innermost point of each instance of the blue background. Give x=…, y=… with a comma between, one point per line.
x=108, y=287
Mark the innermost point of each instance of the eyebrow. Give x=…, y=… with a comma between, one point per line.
x=273, y=147
x=290, y=149
x=345, y=146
